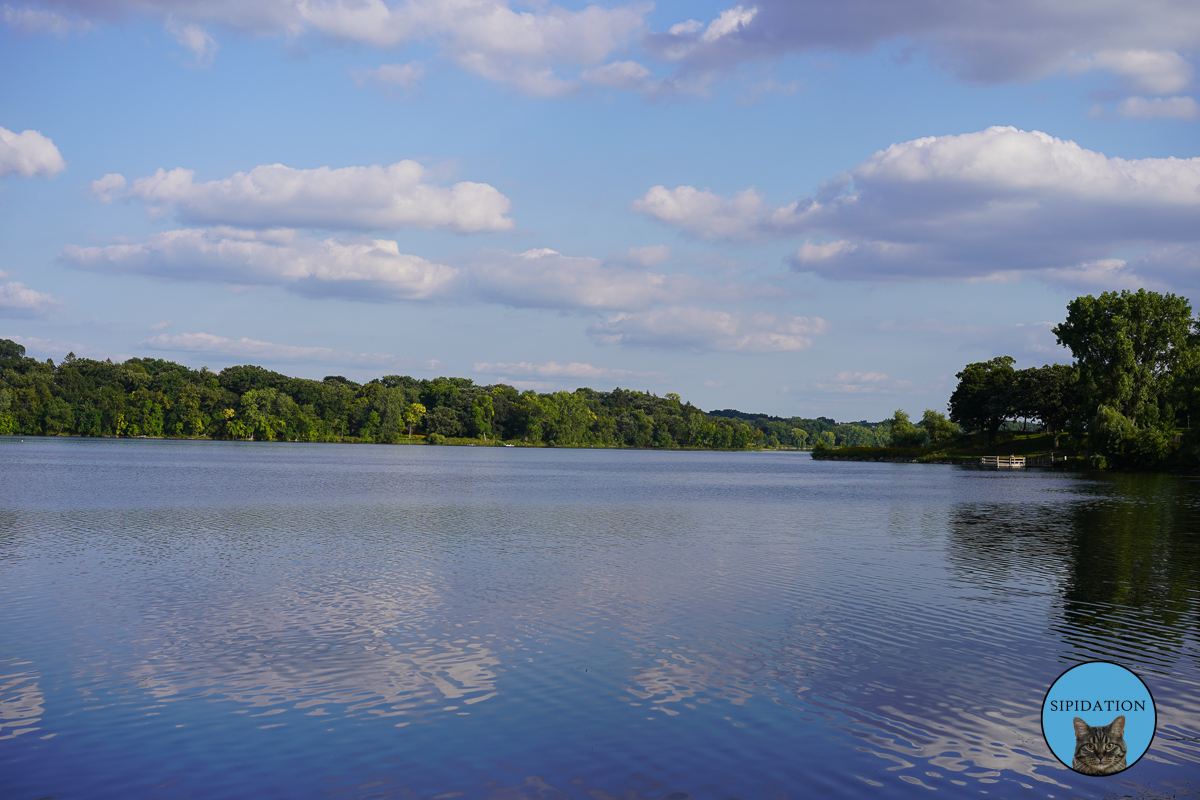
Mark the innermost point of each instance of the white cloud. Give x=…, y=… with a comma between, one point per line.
x=357, y=198
x=996, y=203
x=158, y=326
x=109, y=188
x=618, y=75
x=729, y=22
x=27, y=154
x=544, y=278
x=702, y=213
x=194, y=38
x=16, y=300
x=1139, y=41
x=539, y=48
x=1155, y=72
x=367, y=270
x=253, y=348
x=702, y=329
x=487, y=37
x=36, y=20
x=553, y=369
x=527, y=49
x=1159, y=108
x=377, y=270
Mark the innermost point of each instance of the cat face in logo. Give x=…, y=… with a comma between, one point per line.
x=1099, y=750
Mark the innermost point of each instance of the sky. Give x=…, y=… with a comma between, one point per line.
x=794, y=207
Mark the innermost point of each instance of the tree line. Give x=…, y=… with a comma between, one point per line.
x=1129, y=395
x=156, y=398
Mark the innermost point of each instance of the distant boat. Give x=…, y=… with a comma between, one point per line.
x=510, y=445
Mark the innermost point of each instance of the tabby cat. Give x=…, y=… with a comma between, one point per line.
x=1099, y=750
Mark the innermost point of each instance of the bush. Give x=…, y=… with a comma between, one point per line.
x=435, y=438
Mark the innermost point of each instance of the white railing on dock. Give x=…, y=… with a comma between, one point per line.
x=1002, y=461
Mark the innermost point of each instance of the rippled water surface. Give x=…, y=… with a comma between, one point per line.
x=232, y=620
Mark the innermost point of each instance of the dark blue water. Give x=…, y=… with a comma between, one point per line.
x=232, y=620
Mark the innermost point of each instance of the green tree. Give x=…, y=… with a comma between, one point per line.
x=413, y=415
x=939, y=429
x=1052, y=398
x=981, y=401
x=1125, y=344
x=259, y=416
x=443, y=420
x=1122, y=444
x=58, y=415
x=484, y=411
x=904, y=433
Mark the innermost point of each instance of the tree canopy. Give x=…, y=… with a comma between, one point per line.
x=152, y=397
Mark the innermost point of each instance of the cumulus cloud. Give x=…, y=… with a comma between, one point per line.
x=109, y=188
x=701, y=329
x=745, y=216
x=539, y=49
x=996, y=203
x=253, y=348
x=553, y=369
x=376, y=270
x=367, y=270
x=17, y=300
x=1159, y=108
x=27, y=154
x=527, y=49
x=1139, y=41
x=356, y=198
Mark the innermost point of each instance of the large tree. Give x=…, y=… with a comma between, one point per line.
x=982, y=399
x=1046, y=394
x=1125, y=344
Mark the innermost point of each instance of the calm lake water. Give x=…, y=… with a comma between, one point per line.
x=240, y=620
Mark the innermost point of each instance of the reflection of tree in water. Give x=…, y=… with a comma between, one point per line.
x=994, y=544
x=1124, y=555
x=1135, y=560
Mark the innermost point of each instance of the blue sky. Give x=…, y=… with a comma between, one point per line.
x=792, y=207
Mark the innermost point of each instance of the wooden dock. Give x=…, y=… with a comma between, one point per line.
x=1002, y=462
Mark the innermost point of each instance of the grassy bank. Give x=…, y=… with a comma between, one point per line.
x=965, y=450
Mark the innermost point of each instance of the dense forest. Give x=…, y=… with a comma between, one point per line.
x=156, y=398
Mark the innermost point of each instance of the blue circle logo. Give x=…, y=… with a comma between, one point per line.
x=1098, y=718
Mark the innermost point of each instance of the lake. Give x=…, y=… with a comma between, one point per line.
x=252, y=620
